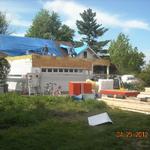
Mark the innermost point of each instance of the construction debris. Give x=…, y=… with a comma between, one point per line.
x=145, y=96
x=99, y=119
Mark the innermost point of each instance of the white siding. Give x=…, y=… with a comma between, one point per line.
x=24, y=66
x=89, y=55
x=20, y=67
x=62, y=79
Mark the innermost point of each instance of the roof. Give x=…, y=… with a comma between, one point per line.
x=81, y=49
x=64, y=43
x=77, y=50
x=13, y=45
x=16, y=46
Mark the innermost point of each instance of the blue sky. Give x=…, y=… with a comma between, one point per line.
x=131, y=17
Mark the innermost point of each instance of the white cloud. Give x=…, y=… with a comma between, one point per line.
x=13, y=6
x=137, y=24
x=18, y=34
x=17, y=20
x=71, y=10
x=14, y=12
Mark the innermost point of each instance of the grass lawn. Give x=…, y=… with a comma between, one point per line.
x=59, y=123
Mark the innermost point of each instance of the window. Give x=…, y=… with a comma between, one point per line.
x=75, y=70
x=70, y=70
x=49, y=70
x=55, y=70
x=85, y=54
x=43, y=69
x=60, y=70
x=15, y=75
x=80, y=70
x=66, y=70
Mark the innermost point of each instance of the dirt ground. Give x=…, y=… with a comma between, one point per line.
x=131, y=104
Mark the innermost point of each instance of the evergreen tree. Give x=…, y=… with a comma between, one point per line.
x=4, y=70
x=48, y=26
x=126, y=58
x=4, y=65
x=92, y=31
x=3, y=24
x=65, y=33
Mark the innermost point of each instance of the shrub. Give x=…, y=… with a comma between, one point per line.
x=145, y=76
x=136, y=86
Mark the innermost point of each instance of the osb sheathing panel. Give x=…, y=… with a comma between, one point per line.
x=48, y=61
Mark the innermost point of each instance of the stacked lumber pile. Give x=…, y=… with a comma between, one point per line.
x=145, y=96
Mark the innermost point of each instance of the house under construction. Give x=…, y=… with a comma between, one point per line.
x=61, y=64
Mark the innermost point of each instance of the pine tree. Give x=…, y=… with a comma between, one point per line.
x=89, y=27
x=124, y=56
x=3, y=24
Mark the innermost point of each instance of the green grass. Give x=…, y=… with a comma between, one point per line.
x=59, y=123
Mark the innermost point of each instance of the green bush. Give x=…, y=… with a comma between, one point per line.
x=136, y=86
x=145, y=76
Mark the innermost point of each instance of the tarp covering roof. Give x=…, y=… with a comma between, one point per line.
x=14, y=46
x=76, y=50
x=81, y=49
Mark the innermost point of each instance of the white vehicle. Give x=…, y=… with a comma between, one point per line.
x=129, y=79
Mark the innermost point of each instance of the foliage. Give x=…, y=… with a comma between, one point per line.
x=48, y=26
x=3, y=24
x=65, y=33
x=136, y=86
x=126, y=58
x=42, y=122
x=24, y=110
x=4, y=69
x=92, y=31
x=145, y=75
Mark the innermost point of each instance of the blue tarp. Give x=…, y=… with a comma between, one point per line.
x=13, y=45
x=76, y=50
x=65, y=46
x=70, y=50
x=81, y=49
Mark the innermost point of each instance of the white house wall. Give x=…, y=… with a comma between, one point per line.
x=89, y=55
x=61, y=79
x=18, y=69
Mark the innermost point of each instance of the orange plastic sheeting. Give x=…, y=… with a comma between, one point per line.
x=74, y=88
x=118, y=92
x=77, y=88
x=87, y=88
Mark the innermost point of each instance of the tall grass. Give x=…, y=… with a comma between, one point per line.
x=24, y=110
x=60, y=123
